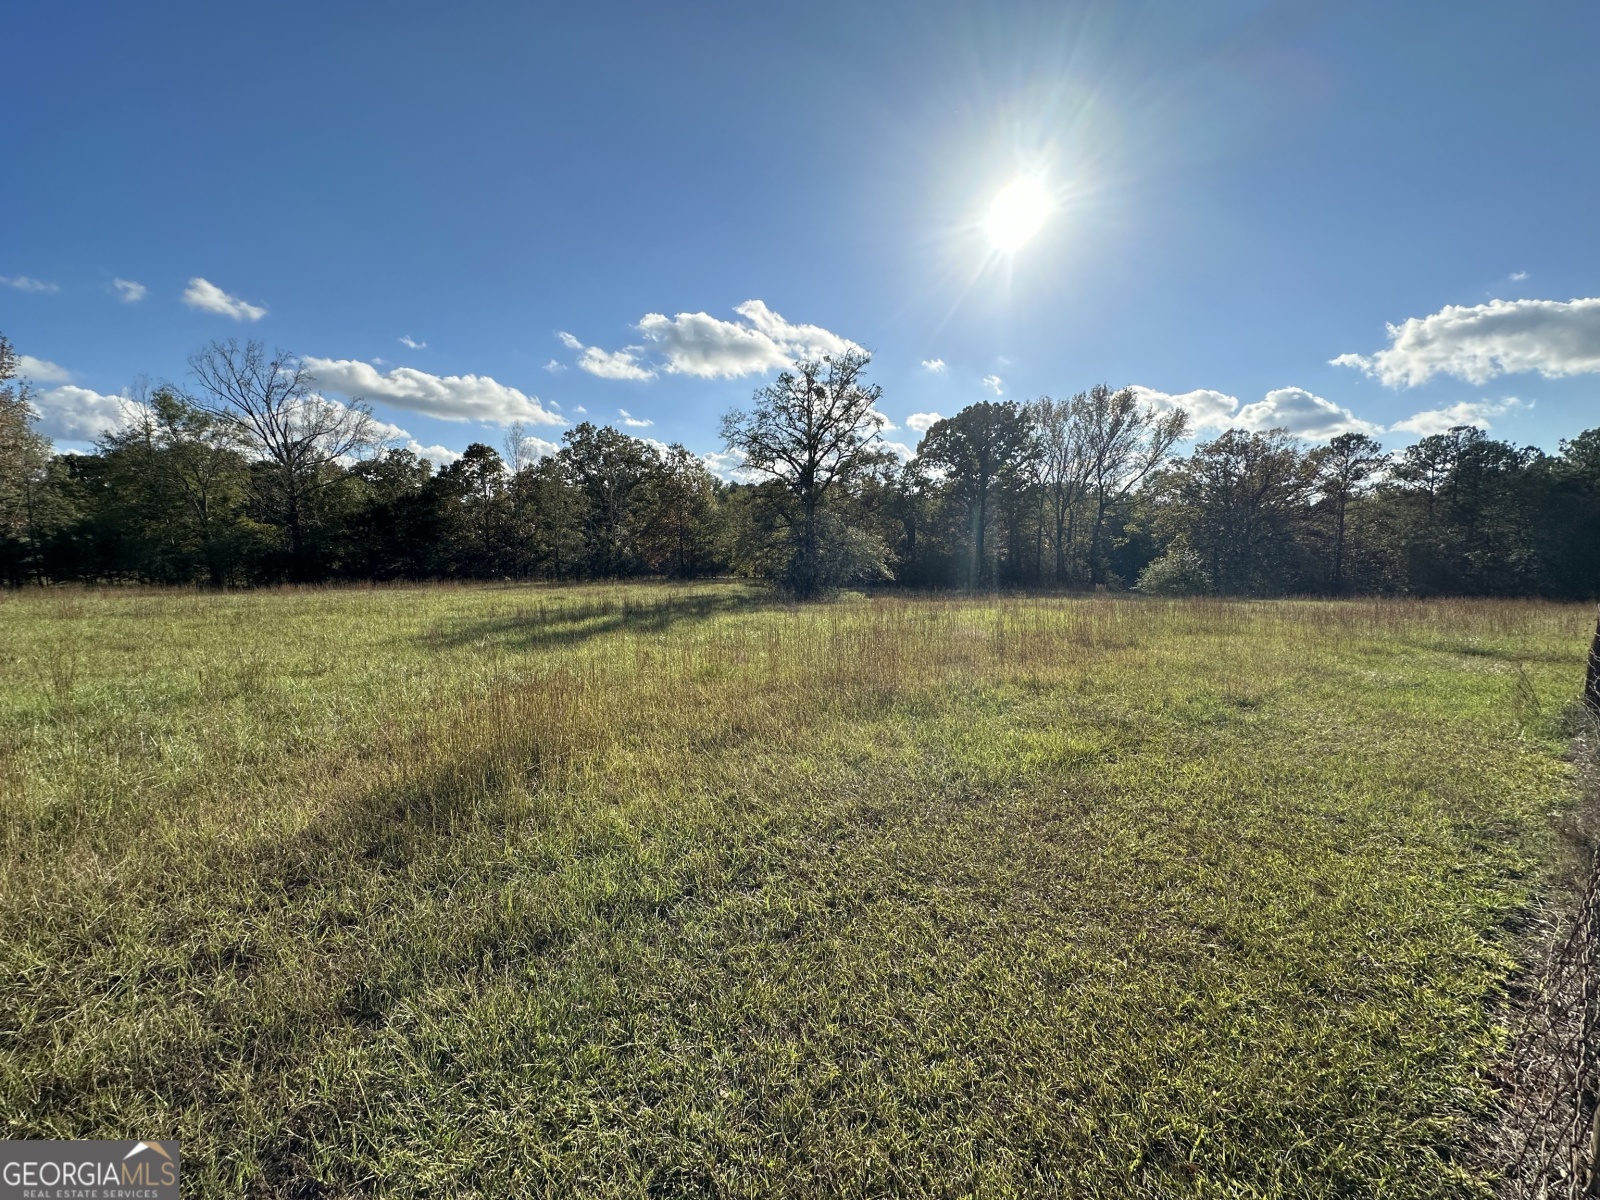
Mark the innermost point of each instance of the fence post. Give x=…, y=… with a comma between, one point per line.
x=1591, y=682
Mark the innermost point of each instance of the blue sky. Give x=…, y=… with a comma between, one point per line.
x=1240, y=193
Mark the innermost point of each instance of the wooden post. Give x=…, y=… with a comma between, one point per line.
x=1591, y=683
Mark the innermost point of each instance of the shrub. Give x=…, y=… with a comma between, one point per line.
x=1178, y=572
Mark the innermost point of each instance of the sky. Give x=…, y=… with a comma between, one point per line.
x=1319, y=216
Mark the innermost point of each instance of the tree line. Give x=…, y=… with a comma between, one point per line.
x=250, y=477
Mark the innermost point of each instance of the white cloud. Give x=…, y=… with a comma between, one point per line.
x=1438, y=420
x=933, y=364
x=536, y=448
x=606, y=364
x=393, y=435
x=728, y=465
x=702, y=345
x=77, y=414
x=1207, y=409
x=409, y=344
x=882, y=419
x=128, y=291
x=450, y=397
x=633, y=421
x=41, y=371
x=1295, y=409
x=614, y=364
x=922, y=422
x=1518, y=276
x=24, y=284
x=440, y=456
x=578, y=408
x=900, y=449
x=995, y=384
x=800, y=341
x=1303, y=415
x=1477, y=343
x=708, y=347
x=206, y=296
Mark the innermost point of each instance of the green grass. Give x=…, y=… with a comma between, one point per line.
x=644, y=891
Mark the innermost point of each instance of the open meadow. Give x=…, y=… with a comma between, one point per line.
x=678, y=891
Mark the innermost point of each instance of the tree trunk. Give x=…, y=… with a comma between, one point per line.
x=983, y=525
x=1338, y=553
x=1095, y=574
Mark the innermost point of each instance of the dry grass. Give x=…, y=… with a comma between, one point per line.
x=651, y=891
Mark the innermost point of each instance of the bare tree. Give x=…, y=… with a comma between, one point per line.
x=810, y=429
x=1063, y=467
x=1123, y=443
x=517, y=454
x=297, y=433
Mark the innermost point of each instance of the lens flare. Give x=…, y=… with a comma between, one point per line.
x=1017, y=213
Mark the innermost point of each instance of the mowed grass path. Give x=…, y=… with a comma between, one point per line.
x=652, y=891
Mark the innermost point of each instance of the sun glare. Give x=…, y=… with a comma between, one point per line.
x=1017, y=213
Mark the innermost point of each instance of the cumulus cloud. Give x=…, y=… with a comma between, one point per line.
x=41, y=371
x=633, y=421
x=899, y=449
x=801, y=341
x=206, y=296
x=882, y=420
x=1476, y=343
x=128, y=291
x=1304, y=415
x=935, y=365
x=922, y=422
x=409, y=344
x=1207, y=409
x=1438, y=420
x=614, y=364
x=553, y=366
x=702, y=345
x=535, y=448
x=25, y=284
x=728, y=465
x=77, y=414
x=1295, y=409
x=606, y=364
x=449, y=397
x=995, y=384
x=393, y=435
x=708, y=347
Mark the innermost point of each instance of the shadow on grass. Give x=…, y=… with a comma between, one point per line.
x=554, y=625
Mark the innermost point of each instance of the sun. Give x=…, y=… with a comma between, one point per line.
x=1017, y=213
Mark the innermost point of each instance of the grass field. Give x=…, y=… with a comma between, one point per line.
x=659, y=891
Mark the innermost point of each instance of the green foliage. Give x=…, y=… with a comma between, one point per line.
x=811, y=434
x=519, y=891
x=261, y=481
x=1180, y=571
x=978, y=451
x=24, y=471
